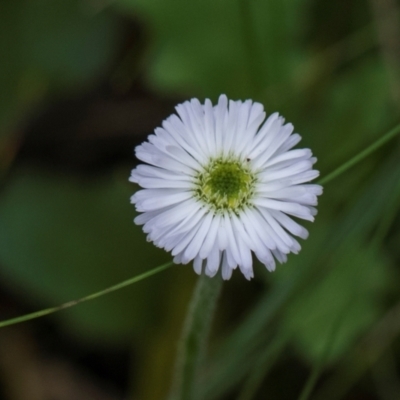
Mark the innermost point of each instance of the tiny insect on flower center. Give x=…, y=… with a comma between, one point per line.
x=225, y=184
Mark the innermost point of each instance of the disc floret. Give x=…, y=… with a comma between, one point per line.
x=225, y=184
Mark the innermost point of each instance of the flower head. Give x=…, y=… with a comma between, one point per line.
x=220, y=183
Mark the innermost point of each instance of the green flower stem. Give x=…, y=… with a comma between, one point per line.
x=193, y=342
x=360, y=156
x=92, y=296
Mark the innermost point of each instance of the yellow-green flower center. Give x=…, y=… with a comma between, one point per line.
x=225, y=185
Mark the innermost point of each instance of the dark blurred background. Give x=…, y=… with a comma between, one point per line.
x=84, y=81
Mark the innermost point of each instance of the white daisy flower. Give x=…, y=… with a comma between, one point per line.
x=220, y=184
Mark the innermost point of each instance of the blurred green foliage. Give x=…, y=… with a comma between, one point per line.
x=49, y=47
x=63, y=235
x=62, y=238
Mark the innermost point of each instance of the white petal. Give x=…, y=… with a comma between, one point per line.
x=175, y=128
x=290, y=155
x=145, y=217
x=220, y=113
x=197, y=265
x=230, y=260
x=244, y=252
x=294, y=209
x=242, y=133
x=149, y=171
x=266, y=222
x=182, y=156
x=240, y=231
x=152, y=183
x=194, y=247
x=209, y=123
x=230, y=136
x=256, y=114
x=251, y=130
x=262, y=133
x=158, y=202
x=292, y=226
x=281, y=257
x=290, y=142
x=267, y=259
x=186, y=239
x=222, y=235
x=226, y=269
x=263, y=158
x=190, y=220
x=258, y=246
x=302, y=177
x=213, y=261
x=210, y=239
x=171, y=215
x=232, y=245
x=281, y=233
x=261, y=228
x=268, y=137
x=184, y=112
x=270, y=175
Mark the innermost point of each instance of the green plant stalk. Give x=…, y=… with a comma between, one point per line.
x=360, y=156
x=92, y=296
x=192, y=346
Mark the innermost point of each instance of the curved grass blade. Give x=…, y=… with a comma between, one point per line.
x=92, y=296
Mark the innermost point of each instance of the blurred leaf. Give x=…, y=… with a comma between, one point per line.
x=48, y=45
x=199, y=46
x=352, y=111
x=62, y=238
x=347, y=301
